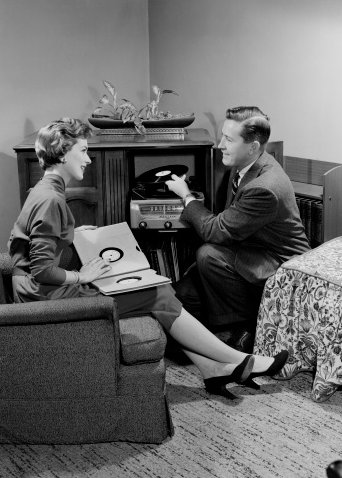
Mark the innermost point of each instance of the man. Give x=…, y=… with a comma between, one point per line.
x=259, y=229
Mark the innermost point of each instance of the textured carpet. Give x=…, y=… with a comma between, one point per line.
x=276, y=432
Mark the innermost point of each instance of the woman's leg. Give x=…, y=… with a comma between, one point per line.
x=195, y=337
x=209, y=354
x=212, y=356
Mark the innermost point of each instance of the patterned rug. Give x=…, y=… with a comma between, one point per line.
x=275, y=432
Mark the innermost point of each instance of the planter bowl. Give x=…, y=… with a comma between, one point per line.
x=108, y=123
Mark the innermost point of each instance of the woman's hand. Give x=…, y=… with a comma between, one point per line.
x=93, y=270
x=178, y=186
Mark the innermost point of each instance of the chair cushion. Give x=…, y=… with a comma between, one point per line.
x=142, y=340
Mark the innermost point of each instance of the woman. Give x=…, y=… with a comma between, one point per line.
x=45, y=227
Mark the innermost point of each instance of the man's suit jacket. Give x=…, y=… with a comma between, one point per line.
x=262, y=224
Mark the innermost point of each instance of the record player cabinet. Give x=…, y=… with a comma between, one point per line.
x=102, y=198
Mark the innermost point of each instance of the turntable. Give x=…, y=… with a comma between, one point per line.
x=153, y=205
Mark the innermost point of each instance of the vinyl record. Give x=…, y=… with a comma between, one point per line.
x=155, y=191
x=162, y=174
x=129, y=280
x=111, y=254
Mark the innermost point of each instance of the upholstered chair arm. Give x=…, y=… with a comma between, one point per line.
x=5, y=263
x=91, y=315
x=62, y=310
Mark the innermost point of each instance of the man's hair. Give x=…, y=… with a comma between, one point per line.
x=255, y=124
x=57, y=138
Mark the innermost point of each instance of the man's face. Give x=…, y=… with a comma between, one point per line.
x=235, y=152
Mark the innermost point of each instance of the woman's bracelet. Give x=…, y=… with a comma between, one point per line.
x=77, y=276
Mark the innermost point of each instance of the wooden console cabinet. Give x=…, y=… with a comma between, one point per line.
x=103, y=196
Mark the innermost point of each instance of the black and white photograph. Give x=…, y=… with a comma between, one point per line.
x=171, y=239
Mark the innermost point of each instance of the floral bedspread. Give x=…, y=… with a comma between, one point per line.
x=301, y=311
x=324, y=261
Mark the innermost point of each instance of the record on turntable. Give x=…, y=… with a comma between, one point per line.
x=151, y=183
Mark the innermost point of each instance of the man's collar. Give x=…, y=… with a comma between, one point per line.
x=244, y=170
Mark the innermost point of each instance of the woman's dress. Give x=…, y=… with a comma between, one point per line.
x=44, y=228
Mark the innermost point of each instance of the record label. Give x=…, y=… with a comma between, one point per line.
x=111, y=254
x=162, y=174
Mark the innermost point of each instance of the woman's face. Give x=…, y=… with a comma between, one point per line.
x=76, y=160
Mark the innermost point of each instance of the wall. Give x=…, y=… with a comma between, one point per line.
x=282, y=55
x=54, y=56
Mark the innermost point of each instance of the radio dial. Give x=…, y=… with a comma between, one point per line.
x=168, y=225
x=143, y=225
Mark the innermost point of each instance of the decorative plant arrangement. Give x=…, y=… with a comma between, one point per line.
x=124, y=110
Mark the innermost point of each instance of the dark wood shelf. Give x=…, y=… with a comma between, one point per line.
x=319, y=181
x=193, y=137
x=308, y=190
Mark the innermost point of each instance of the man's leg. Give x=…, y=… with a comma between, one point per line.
x=190, y=292
x=231, y=302
x=211, y=290
x=227, y=294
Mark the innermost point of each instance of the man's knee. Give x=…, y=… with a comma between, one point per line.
x=205, y=256
x=213, y=258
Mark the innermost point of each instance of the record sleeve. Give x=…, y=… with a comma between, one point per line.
x=130, y=269
x=130, y=282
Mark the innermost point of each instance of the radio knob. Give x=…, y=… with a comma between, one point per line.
x=143, y=225
x=168, y=225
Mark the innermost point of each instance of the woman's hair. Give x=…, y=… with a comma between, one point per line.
x=255, y=124
x=57, y=138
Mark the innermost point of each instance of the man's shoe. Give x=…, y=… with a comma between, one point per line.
x=241, y=340
x=245, y=342
x=334, y=470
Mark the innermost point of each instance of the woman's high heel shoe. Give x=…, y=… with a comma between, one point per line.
x=278, y=363
x=217, y=385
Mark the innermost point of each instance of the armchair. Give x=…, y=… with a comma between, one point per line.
x=72, y=372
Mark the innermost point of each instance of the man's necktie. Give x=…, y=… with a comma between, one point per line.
x=235, y=183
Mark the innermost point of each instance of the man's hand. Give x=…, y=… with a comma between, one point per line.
x=178, y=186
